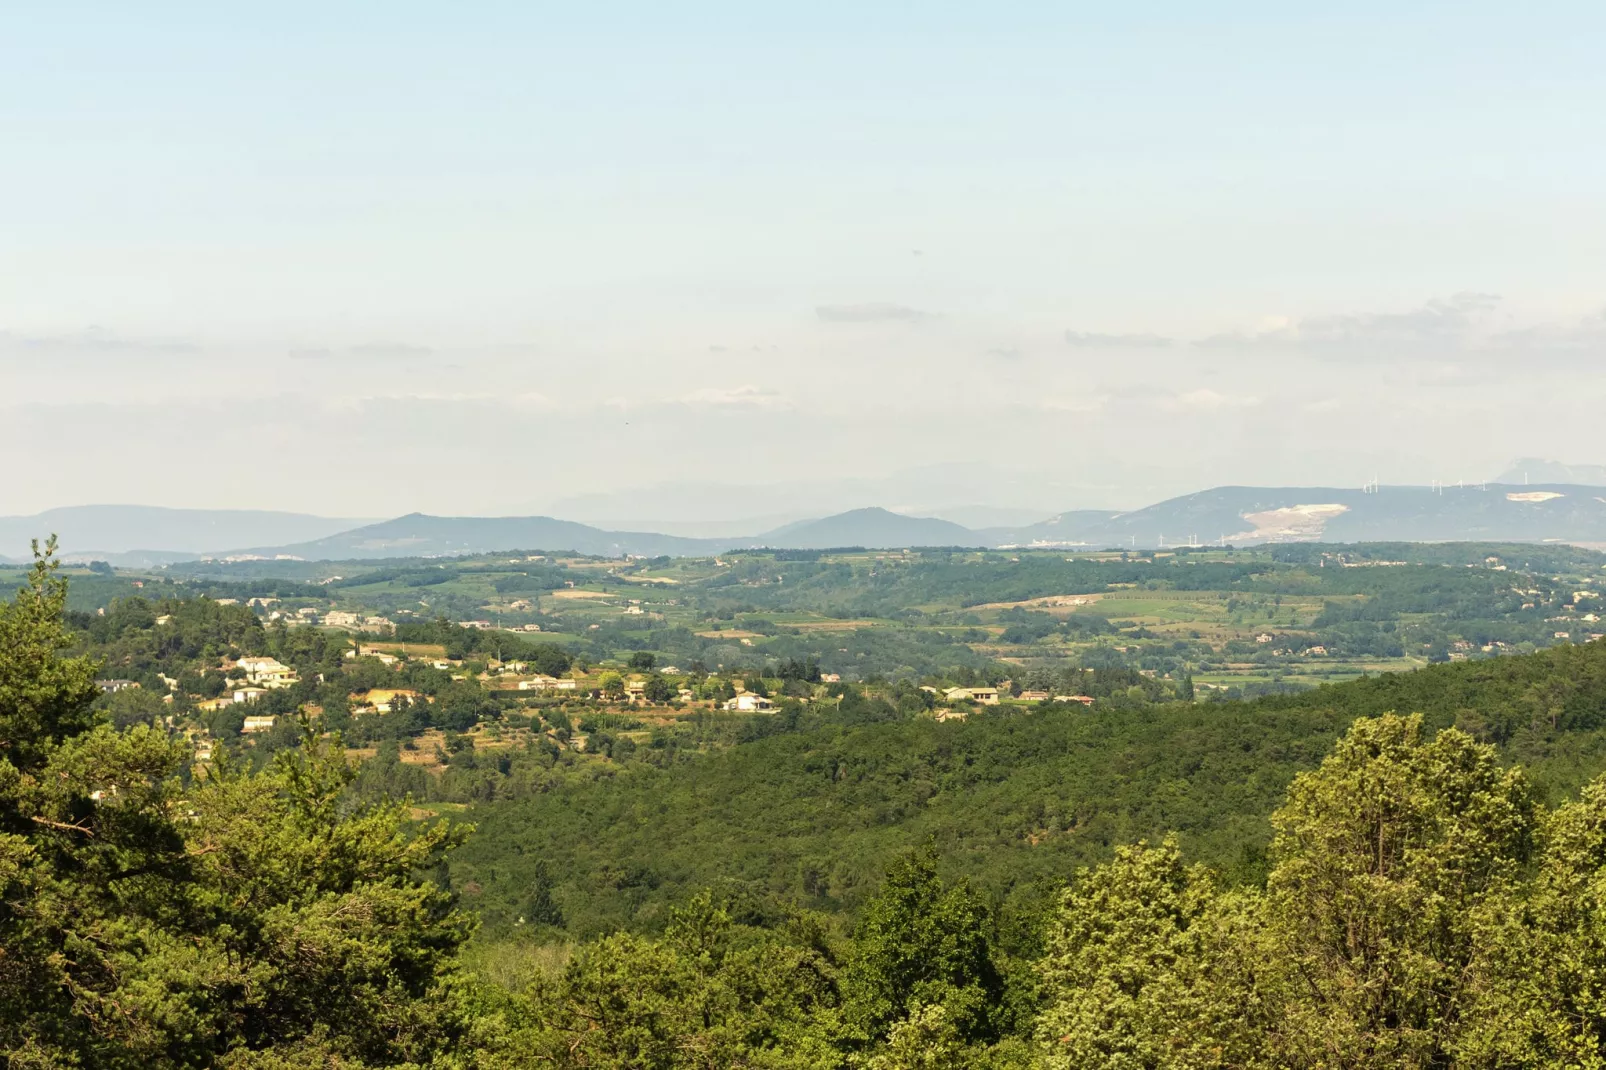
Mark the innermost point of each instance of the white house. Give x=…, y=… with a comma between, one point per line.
x=747, y=702
x=986, y=696
x=268, y=672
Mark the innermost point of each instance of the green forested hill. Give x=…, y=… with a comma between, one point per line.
x=1015, y=801
x=844, y=884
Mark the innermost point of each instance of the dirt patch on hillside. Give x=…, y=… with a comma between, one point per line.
x=1068, y=603
x=1291, y=522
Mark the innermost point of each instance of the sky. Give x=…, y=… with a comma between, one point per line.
x=630, y=261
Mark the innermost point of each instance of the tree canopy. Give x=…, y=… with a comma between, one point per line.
x=232, y=919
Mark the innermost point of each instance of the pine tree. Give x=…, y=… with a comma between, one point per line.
x=237, y=920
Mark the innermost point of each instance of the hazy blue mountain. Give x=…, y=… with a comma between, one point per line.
x=713, y=529
x=421, y=535
x=1074, y=528
x=969, y=493
x=982, y=517
x=1533, y=512
x=1517, y=513
x=1530, y=470
x=105, y=530
x=871, y=527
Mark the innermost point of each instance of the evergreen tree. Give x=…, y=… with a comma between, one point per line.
x=238, y=920
x=920, y=943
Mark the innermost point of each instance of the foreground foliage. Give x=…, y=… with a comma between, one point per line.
x=239, y=920
x=1421, y=911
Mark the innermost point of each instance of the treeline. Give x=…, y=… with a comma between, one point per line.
x=1539, y=558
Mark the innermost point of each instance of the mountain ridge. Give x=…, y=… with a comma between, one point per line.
x=1242, y=515
x=870, y=526
x=1234, y=514
x=106, y=530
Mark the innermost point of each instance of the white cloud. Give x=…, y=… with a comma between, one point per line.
x=391, y=351
x=1205, y=398
x=1095, y=340
x=93, y=341
x=1587, y=335
x=1452, y=321
x=875, y=312
x=747, y=396
x=367, y=351
x=1082, y=403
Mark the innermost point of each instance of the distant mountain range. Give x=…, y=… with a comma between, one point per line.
x=147, y=535
x=1531, y=470
x=1246, y=515
x=1532, y=512
x=420, y=535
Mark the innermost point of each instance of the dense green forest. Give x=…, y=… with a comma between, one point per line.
x=1013, y=799
x=1401, y=870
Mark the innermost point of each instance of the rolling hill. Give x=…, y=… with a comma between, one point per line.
x=869, y=527
x=418, y=534
x=421, y=535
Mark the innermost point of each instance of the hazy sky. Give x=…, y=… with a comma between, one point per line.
x=364, y=258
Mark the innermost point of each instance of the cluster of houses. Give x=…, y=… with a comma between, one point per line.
x=262, y=674
x=548, y=683
x=990, y=696
x=331, y=618
x=486, y=626
x=267, y=673
x=1046, y=696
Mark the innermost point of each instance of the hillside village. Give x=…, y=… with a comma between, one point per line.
x=604, y=660
x=633, y=698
